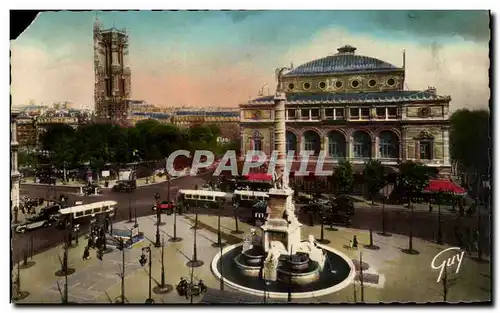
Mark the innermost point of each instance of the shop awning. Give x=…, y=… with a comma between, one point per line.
x=259, y=177
x=437, y=185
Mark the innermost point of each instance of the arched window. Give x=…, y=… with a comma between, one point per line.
x=312, y=142
x=361, y=145
x=291, y=142
x=256, y=141
x=388, y=145
x=336, y=145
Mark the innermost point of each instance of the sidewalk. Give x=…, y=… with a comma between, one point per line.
x=401, y=277
x=97, y=281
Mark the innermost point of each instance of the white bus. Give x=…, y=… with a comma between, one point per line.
x=247, y=198
x=200, y=197
x=87, y=211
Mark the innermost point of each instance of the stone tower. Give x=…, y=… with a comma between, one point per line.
x=112, y=74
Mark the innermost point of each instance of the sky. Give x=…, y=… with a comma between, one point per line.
x=223, y=58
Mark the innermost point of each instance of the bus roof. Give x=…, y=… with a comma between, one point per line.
x=85, y=207
x=251, y=193
x=203, y=192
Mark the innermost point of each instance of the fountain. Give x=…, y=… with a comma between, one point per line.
x=277, y=262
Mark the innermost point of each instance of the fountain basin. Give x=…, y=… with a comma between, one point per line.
x=338, y=273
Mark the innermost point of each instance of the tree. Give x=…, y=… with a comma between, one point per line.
x=413, y=178
x=374, y=178
x=344, y=177
x=470, y=141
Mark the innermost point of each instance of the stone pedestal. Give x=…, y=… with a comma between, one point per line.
x=282, y=224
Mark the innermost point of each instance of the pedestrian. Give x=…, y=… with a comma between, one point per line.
x=355, y=242
x=350, y=245
x=23, y=211
x=86, y=253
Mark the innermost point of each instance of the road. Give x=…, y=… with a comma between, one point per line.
x=397, y=221
x=142, y=199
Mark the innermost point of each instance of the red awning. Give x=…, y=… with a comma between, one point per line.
x=436, y=185
x=259, y=177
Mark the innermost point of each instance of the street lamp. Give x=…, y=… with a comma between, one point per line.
x=175, y=238
x=439, y=196
x=236, y=231
x=323, y=240
x=129, y=208
x=195, y=262
x=219, y=243
x=163, y=287
x=76, y=229
x=386, y=191
x=143, y=261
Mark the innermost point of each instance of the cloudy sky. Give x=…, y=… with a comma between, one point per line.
x=223, y=58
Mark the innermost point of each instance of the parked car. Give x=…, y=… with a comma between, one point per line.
x=51, y=212
x=165, y=206
x=33, y=223
x=91, y=189
x=124, y=186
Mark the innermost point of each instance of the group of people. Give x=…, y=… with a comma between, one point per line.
x=467, y=239
x=183, y=287
x=353, y=244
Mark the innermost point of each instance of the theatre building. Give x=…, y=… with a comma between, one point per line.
x=355, y=108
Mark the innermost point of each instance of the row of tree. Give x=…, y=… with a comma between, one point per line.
x=99, y=144
x=470, y=142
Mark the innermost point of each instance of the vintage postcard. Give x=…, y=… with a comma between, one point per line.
x=221, y=157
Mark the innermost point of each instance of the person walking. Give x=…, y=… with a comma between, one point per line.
x=86, y=253
x=355, y=242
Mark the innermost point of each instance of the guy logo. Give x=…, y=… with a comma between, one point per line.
x=447, y=262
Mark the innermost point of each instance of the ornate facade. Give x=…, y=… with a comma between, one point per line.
x=112, y=74
x=15, y=176
x=353, y=107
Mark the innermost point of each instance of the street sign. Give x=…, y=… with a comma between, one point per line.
x=105, y=174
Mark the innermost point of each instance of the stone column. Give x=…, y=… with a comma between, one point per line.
x=325, y=146
x=280, y=135
x=446, y=146
x=376, y=148
x=349, y=147
x=403, y=145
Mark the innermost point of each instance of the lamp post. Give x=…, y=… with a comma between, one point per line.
x=121, y=247
x=385, y=196
x=163, y=287
x=439, y=232
x=143, y=261
x=175, y=238
x=135, y=217
x=219, y=243
x=322, y=239
x=195, y=262
x=129, y=208
x=158, y=221
x=76, y=229
x=236, y=231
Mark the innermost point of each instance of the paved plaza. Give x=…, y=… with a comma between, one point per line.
x=402, y=277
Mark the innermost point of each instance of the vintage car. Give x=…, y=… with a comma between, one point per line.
x=33, y=223
x=165, y=206
x=51, y=212
x=124, y=186
x=91, y=189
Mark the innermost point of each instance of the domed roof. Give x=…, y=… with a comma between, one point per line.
x=344, y=61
